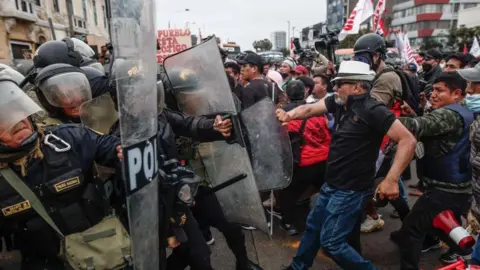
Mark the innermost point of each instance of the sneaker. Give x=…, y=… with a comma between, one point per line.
x=431, y=246
x=370, y=224
x=211, y=241
x=452, y=257
x=268, y=203
x=394, y=214
x=248, y=227
x=290, y=229
x=276, y=213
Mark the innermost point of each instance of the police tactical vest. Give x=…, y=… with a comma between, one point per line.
x=69, y=195
x=453, y=168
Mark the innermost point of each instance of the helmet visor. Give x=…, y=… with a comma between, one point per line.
x=83, y=48
x=66, y=90
x=15, y=106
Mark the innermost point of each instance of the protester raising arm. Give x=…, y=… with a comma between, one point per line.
x=308, y=110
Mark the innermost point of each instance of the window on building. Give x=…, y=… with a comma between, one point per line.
x=456, y=7
x=95, y=18
x=104, y=14
x=443, y=24
x=469, y=5
x=409, y=12
x=17, y=49
x=84, y=8
x=24, y=6
x=56, y=7
x=38, y=3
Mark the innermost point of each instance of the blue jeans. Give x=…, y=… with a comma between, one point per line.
x=401, y=188
x=476, y=254
x=328, y=226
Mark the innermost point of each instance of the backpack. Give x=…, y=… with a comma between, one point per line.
x=410, y=92
x=297, y=141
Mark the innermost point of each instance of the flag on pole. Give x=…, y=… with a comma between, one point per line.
x=200, y=33
x=380, y=30
x=475, y=50
x=377, y=14
x=362, y=11
x=292, y=49
x=408, y=52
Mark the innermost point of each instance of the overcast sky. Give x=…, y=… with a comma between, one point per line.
x=242, y=21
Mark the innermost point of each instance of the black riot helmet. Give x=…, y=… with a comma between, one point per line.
x=367, y=46
x=57, y=51
x=91, y=72
x=61, y=89
x=183, y=80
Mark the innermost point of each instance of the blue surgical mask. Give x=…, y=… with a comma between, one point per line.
x=473, y=102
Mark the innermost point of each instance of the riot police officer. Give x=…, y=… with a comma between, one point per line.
x=55, y=163
x=61, y=89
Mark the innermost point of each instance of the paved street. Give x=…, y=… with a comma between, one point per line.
x=274, y=253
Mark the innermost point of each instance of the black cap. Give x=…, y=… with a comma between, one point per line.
x=253, y=59
x=434, y=54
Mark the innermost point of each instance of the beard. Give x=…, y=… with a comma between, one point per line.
x=284, y=75
x=339, y=100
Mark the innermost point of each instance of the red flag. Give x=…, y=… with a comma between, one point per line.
x=465, y=49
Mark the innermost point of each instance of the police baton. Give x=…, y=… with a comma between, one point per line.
x=223, y=185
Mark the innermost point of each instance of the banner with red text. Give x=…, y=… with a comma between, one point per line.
x=172, y=41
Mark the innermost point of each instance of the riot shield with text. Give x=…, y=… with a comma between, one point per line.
x=269, y=144
x=133, y=39
x=200, y=86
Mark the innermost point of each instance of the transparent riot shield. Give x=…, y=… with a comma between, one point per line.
x=133, y=38
x=200, y=86
x=99, y=113
x=270, y=147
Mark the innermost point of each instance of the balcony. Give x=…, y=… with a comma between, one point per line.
x=79, y=25
x=19, y=9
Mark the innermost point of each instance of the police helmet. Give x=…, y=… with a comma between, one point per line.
x=16, y=76
x=370, y=43
x=61, y=89
x=181, y=81
x=92, y=72
x=57, y=51
x=15, y=106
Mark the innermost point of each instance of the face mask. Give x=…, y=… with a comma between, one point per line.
x=426, y=67
x=473, y=102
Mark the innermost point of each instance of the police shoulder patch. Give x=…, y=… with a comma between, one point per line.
x=16, y=208
x=66, y=184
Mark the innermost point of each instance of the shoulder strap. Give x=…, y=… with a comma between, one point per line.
x=302, y=127
x=22, y=189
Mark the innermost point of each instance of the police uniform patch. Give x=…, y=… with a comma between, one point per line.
x=69, y=183
x=16, y=208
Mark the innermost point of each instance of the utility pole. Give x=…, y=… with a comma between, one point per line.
x=289, y=40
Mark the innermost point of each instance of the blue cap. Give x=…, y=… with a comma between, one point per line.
x=412, y=66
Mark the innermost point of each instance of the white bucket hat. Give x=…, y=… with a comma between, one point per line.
x=354, y=71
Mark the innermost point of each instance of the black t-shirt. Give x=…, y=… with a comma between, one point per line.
x=253, y=92
x=359, y=131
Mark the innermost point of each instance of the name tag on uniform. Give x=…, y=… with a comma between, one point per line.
x=72, y=182
x=16, y=208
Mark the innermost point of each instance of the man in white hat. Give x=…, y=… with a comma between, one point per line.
x=360, y=124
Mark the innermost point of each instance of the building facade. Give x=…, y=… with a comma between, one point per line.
x=469, y=17
x=429, y=18
x=24, y=24
x=279, y=40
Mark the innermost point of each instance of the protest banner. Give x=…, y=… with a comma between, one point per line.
x=172, y=41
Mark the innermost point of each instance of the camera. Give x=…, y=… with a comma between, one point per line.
x=327, y=42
